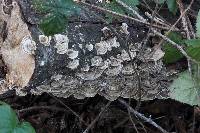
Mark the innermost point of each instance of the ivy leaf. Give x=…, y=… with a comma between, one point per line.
x=172, y=6
x=183, y=89
x=198, y=25
x=56, y=14
x=9, y=122
x=172, y=54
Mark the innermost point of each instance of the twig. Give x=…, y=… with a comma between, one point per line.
x=96, y=119
x=160, y=17
x=174, y=44
x=39, y=108
x=191, y=28
x=121, y=122
x=133, y=11
x=121, y=15
x=127, y=50
x=129, y=113
x=77, y=115
x=173, y=26
x=184, y=20
x=167, y=39
x=141, y=116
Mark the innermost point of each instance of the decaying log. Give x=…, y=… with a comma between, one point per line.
x=84, y=61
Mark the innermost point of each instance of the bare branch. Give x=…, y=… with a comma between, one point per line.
x=141, y=116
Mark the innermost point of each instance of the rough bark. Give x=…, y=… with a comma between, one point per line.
x=89, y=62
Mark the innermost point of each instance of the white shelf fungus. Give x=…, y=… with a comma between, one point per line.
x=73, y=64
x=96, y=61
x=72, y=54
x=28, y=45
x=45, y=40
x=61, y=43
x=103, y=46
x=89, y=47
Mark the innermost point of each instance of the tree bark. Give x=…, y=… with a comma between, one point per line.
x=94, y=61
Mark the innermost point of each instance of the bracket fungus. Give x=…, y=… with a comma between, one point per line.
x=82, y=62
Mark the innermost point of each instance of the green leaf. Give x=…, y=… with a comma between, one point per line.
x=115, y=7
x=193, y=48
x=9, y=122
x=183, y=89
x=25, y=127
x=53, y=24
x=56, y=14
x=8, y=118
x=198, y=24
x=160, y=1
x=172, y=54
x=131, y=3
x=194, y=52
x=172, y=6
x=192, y=42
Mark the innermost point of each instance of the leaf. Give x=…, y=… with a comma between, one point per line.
x=194, y=52
x=131, y=3
x=8, y=118
x=192, y=42
x=25, y=127
x=193, y=48
x=53, y=24
x=172, y=6
x=56, y=14
x=160, y=1
x=9, y=122
x=115, y=7
x=198, y=25
x=172, y=54
x=183, y=89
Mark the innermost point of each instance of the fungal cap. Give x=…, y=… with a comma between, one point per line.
x=73, y=64
x=28, y=45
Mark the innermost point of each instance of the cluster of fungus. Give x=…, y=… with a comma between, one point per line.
x=104, y=72
x=93, y=67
